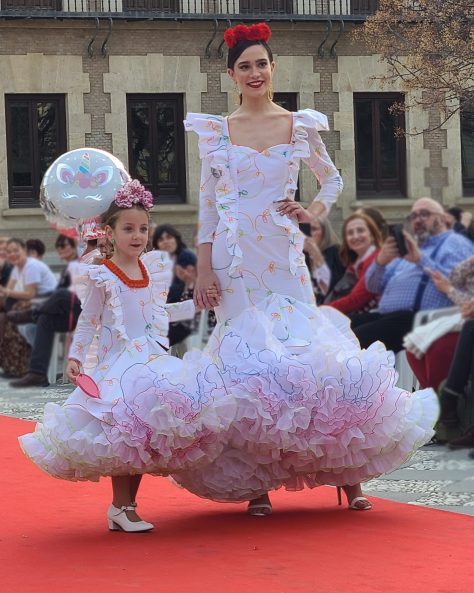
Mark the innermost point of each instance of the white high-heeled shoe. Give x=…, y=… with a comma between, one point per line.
x=117, y=519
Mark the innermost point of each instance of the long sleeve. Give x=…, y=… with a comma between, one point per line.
x=460, y=250
x=462, y=280
x=377, y=276
x=208, y=216
x=181, y=311
x=324, y=170
x=88, y=322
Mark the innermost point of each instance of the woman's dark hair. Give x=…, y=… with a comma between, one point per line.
x=377, y=217
x=19, y=242
x=36, y=245
x=346, y=254
x=235, y=52
x=169, y=230
x=63, y=240
x=455, y=212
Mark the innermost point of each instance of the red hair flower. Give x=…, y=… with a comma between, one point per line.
x=258, y=32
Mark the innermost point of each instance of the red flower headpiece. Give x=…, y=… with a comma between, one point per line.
x=258, y=32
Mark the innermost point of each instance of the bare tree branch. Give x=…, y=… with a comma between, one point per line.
x=428, y=45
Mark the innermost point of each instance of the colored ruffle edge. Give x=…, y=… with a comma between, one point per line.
x=166, y=416
x=316, y=411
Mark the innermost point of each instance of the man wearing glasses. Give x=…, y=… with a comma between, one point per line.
x=404, y=283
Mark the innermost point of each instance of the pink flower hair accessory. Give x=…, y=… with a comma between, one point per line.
x=133, y=193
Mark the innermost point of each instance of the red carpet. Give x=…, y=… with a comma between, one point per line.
x=55, y=541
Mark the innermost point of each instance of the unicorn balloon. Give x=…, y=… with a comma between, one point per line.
x=81, y=184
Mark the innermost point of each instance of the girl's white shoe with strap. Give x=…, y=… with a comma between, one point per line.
x=118, y=520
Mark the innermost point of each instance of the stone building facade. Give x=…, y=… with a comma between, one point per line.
x=103, y=69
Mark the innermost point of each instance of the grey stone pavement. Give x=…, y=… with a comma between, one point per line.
x=435, y=476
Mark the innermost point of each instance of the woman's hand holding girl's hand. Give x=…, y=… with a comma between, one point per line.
x=207, y=292
x=72, y=370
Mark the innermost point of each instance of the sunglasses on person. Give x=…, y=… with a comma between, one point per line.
x=423, y=214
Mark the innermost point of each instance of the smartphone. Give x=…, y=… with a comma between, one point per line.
x=305, y=228
x=396, y=231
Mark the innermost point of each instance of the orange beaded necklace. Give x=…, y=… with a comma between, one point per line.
x=142, y=283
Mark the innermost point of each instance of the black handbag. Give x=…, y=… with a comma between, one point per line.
x=342, y=288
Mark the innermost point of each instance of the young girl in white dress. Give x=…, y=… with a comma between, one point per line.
x=154, y=415
x=313, y=408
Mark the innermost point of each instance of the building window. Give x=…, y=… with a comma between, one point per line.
x=151, y=5
x=364, y=7
x=32, y=4
x=266, y=6
x=380, y=152
x=36, y=136
x=287, y=100
x=467, y=150
x=156, y=145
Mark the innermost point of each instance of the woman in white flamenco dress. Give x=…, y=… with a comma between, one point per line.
x=313, y=408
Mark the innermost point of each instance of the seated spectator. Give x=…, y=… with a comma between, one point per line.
x=67, y=251
x=30, y=278
x=377, y=217
x=404, y=283
x=361, y=243
x=167, y=238
x=460, y=221
x=185, y=270
x=35, y=248
x=5, y=266
x=460, y=372
x=322, y=258
x=430, y=347
x=58, y=314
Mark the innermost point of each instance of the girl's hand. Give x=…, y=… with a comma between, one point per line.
x=207, y=292
x=440, y=281
x=72, y=370
x=294, y=210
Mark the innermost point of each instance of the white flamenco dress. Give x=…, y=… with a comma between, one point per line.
x=155, y=414
x=313, y=408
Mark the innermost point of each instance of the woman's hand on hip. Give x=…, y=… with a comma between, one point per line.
x=207, y=291
x=294, y=210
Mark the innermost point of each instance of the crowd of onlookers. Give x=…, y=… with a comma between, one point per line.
x=362, y=274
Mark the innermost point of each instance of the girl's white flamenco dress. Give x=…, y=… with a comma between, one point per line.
x=155, y=414
x=312, y=407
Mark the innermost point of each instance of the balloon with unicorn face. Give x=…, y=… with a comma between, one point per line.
x=81, y=184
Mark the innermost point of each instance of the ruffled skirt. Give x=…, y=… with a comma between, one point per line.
x=312, y=407
x=282, y=396
x=156, y=415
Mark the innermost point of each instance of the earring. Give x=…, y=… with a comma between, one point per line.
x=270, y=91
x=236, y=95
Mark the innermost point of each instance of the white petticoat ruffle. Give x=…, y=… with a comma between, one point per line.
x=316, y=410
x=156, y=415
